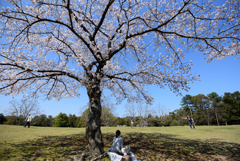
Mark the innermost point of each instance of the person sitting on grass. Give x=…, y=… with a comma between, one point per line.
x=117, y=144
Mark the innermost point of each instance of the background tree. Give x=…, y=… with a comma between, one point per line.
x=150, y=120
x=167, y=119
x=49, y=121
x=108, y=112
x=120, y=121
x=2, y=118
x=202, y=106
x=11, y=120
x=20, y=109
x=187, y=104
x=53, y=48
x=130, y=110
x=215, y=102
x=72, y=120
x=161, y=112
x=14, y=110
x=39, y=120
x=107, y=118
x=142, y=110
x=177, y=117
x=83, y=119
x=127, y=120
x=231, y=111
x=61, y=120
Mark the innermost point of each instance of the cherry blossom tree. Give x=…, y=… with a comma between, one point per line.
x=52, y=48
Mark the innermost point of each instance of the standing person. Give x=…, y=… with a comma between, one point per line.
x=132, y=122
x=28, y=119
x=191, y=122
x=117, y=143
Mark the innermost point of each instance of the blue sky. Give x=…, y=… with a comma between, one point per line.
x=218, y=76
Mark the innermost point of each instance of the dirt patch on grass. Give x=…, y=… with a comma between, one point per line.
x=147, y=147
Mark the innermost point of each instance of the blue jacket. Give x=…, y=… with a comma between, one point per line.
x=189, y=119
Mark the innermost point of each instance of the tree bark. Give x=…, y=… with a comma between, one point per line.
x=93, y=131
x=208, y=117
x=216, y=116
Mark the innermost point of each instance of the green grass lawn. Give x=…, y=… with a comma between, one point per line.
x=147, y=143
x=229, y=134
x=18, y=134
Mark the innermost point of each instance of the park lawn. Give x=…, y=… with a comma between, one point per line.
x=147, y=143
x=204, y=133
x=18, y=134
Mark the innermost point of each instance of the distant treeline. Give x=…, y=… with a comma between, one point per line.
x=64, y=120
x=209, y=110
x=206, y=110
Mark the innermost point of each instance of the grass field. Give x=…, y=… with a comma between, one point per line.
x=151, y=143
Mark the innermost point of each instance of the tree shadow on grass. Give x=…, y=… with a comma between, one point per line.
x=46, y=147
x=168, y=147
x=145, y=146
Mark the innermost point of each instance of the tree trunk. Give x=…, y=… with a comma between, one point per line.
x=93, y=131
x=190, y=110
x=141, y=123
x=208, y=117
x=216, y=116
